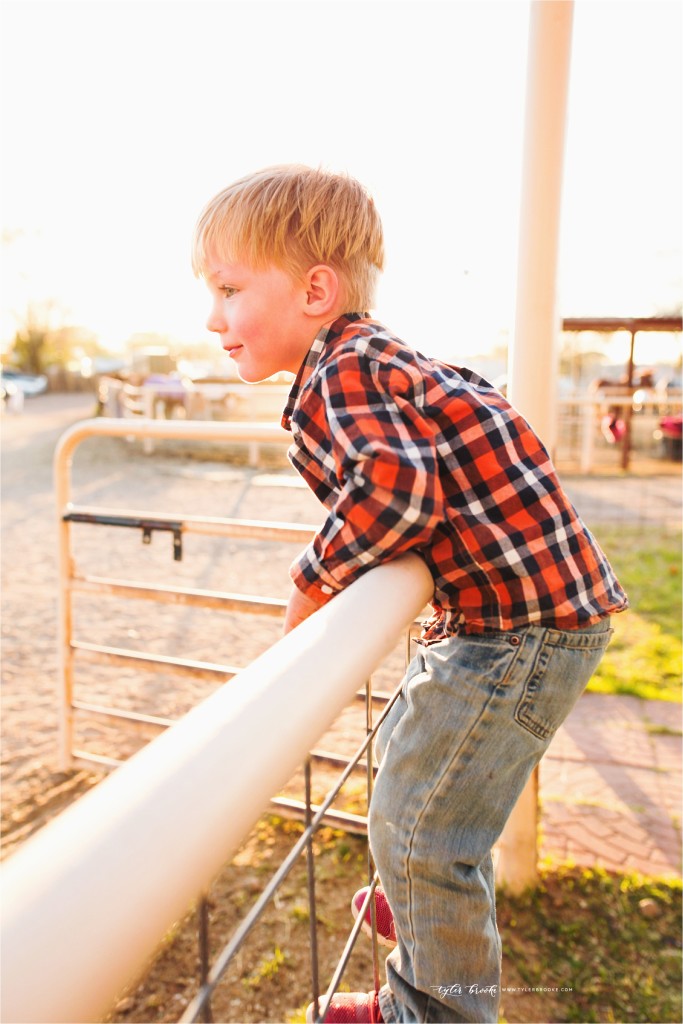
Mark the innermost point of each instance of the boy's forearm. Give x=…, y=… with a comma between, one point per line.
x=300, y=606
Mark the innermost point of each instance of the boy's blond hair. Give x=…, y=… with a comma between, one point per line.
x=295, y=217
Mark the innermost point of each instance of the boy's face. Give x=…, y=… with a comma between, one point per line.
x=260, y=317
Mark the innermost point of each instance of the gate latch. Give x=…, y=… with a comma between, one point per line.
x=146, y=524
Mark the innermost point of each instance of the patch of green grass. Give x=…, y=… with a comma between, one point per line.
x=645, y=658
x=607, y=945
x=301, y=914
x=268, y=967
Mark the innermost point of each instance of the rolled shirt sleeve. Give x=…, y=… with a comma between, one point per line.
x=362, y=422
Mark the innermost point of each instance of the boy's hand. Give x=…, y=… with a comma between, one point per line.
x=299, y=608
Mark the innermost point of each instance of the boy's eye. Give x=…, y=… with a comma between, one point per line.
x=228, y=290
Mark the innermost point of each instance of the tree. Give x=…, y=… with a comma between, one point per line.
x=43, y=340
x=31, y=339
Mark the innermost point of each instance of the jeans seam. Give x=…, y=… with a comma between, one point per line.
x=430, y=1000
x=465, y=740
x=583, y=642
x=535, y=675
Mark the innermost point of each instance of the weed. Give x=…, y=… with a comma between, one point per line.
x=298, y=1016
x=268, y=968
x=354, y=797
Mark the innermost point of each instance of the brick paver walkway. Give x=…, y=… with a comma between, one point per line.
x=610, y=786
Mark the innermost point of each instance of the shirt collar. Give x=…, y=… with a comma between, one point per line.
x=323, y=338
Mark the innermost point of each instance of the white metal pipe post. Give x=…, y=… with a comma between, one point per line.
x=87, y=900
x=533, y=355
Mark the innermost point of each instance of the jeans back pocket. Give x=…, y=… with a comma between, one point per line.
x=562, y=670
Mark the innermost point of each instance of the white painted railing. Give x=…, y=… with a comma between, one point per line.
x=87, y=900
x=592, y=407
x=71, y=582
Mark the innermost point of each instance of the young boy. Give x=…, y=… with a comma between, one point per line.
x=408, y=453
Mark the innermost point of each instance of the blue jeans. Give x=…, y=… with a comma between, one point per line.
x=474, y=717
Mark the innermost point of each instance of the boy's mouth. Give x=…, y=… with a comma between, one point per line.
x=232, y=349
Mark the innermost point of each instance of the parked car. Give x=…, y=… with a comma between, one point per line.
x=11, y=398
x=28, y=383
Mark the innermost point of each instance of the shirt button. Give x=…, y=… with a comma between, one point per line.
x=326, y=589
x=515, y=641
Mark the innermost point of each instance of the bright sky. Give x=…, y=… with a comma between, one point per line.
x=120, y=119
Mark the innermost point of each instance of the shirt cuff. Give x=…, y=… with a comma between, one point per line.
x=309, y=576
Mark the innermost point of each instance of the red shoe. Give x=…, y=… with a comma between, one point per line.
x=384, y=919
x=350, y=1008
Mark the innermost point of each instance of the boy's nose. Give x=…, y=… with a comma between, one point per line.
x=215, y=322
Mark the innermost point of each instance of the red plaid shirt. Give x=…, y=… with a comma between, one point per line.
x=408, y=453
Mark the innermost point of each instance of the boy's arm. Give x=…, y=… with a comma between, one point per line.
x=299, y=607
x=379, y=447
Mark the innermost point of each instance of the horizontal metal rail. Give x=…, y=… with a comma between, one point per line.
x=273, y=606
x=169, y=430
x=73, y=583
x=155, y=722
x=632, y=324
x=126, y=656
x=240, y=529
x=146, y=724
x=357, y=824
x=286, y=806
x=181, y=806
x=590, y=407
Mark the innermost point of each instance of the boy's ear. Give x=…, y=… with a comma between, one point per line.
x=323, y=289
